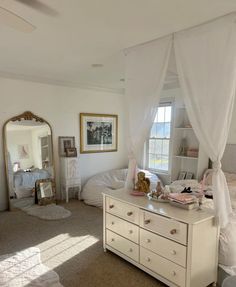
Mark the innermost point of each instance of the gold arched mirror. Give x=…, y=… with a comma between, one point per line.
x=28, y=154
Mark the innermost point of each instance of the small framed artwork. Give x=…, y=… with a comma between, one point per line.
x=182, y=175
x=71, y=152
x=64, y=143
x=189, y=175
x=98, y=133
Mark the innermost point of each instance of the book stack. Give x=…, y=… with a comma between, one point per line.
x=186, y=201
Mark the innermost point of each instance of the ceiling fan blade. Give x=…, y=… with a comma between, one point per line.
x=11, y=19
x=38, y=5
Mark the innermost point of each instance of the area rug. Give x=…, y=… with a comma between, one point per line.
x=24, y=268
x=48, y=212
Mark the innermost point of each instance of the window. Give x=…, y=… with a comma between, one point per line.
x=158, y=145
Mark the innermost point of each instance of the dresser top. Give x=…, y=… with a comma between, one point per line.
x=193, y=216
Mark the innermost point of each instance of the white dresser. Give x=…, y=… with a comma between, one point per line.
x=179, y=247
x=70, y=176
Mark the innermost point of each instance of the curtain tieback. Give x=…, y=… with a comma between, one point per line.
x=216, y=165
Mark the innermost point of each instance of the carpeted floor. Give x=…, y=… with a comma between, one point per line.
x=72, y=247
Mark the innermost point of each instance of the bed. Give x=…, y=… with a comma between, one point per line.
x=227, y=244
x=113, y=179
x=24, y=181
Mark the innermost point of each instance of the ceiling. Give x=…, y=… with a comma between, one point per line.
x=63, y=47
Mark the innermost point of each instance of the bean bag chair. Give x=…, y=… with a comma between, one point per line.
x=109, y=180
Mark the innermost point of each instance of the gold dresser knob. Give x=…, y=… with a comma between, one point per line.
x=129, y=213
x=111, y=206
x=173, y=231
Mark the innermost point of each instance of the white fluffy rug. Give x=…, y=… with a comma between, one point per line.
x=48, y=212
x=24, y=268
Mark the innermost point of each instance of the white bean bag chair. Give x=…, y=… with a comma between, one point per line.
x=109, y=180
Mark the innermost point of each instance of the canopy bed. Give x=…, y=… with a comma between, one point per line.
x=28, y=154
x=205, y=60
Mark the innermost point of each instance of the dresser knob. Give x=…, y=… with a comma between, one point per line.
x=111, y=206
x=112, y=223
x=148, y=259
x=148, y=240
x=129, y=213
x=173, y=231
x=130, y=250
x=130, y=231
x=173, y=252
x=147, y=221
x=173, y=273
x=112, y=239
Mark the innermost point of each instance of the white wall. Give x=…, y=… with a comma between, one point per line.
x=15, y=138
x=61, y=106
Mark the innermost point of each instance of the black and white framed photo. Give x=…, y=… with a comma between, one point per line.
x=64, y=143
x=98, y=133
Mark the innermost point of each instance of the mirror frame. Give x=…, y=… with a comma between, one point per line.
x=45, y=200
x=28, y=116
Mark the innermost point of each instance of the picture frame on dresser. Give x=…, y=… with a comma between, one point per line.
x=98, y=133
x=64, y=143
x=71, y=152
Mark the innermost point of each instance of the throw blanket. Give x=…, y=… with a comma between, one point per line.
x=24, y=268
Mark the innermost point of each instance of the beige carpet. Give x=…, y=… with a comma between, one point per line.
x=72, y=247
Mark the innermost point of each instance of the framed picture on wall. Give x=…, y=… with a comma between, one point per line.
x=98, y=132
x=64, y=143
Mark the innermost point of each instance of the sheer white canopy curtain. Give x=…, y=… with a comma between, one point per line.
x=206, y=64
x=146, y=67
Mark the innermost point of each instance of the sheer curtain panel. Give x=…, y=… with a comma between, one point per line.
x=206, y=62
x=146, y=67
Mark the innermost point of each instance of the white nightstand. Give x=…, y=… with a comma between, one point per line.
x=70, y=176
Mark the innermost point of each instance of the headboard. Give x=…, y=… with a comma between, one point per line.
x=229, y=159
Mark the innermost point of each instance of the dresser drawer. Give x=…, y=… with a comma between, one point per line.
x=123, y=245
x=164, y=247
x=122, y=227
x=123, y=210
x=170, y=228
x=163, y=267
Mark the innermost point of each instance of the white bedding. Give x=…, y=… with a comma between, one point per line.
x=22, y=178
x=113, y=179
x=227, y=244
x=25, y=181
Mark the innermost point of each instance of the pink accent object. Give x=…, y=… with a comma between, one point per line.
x=137, y=193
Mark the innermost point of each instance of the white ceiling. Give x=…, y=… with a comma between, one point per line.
x=63, y=48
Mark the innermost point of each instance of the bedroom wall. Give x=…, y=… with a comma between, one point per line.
x=61, y=106
x=16, y=138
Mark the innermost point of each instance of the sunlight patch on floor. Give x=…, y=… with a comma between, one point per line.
x=63, y=247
